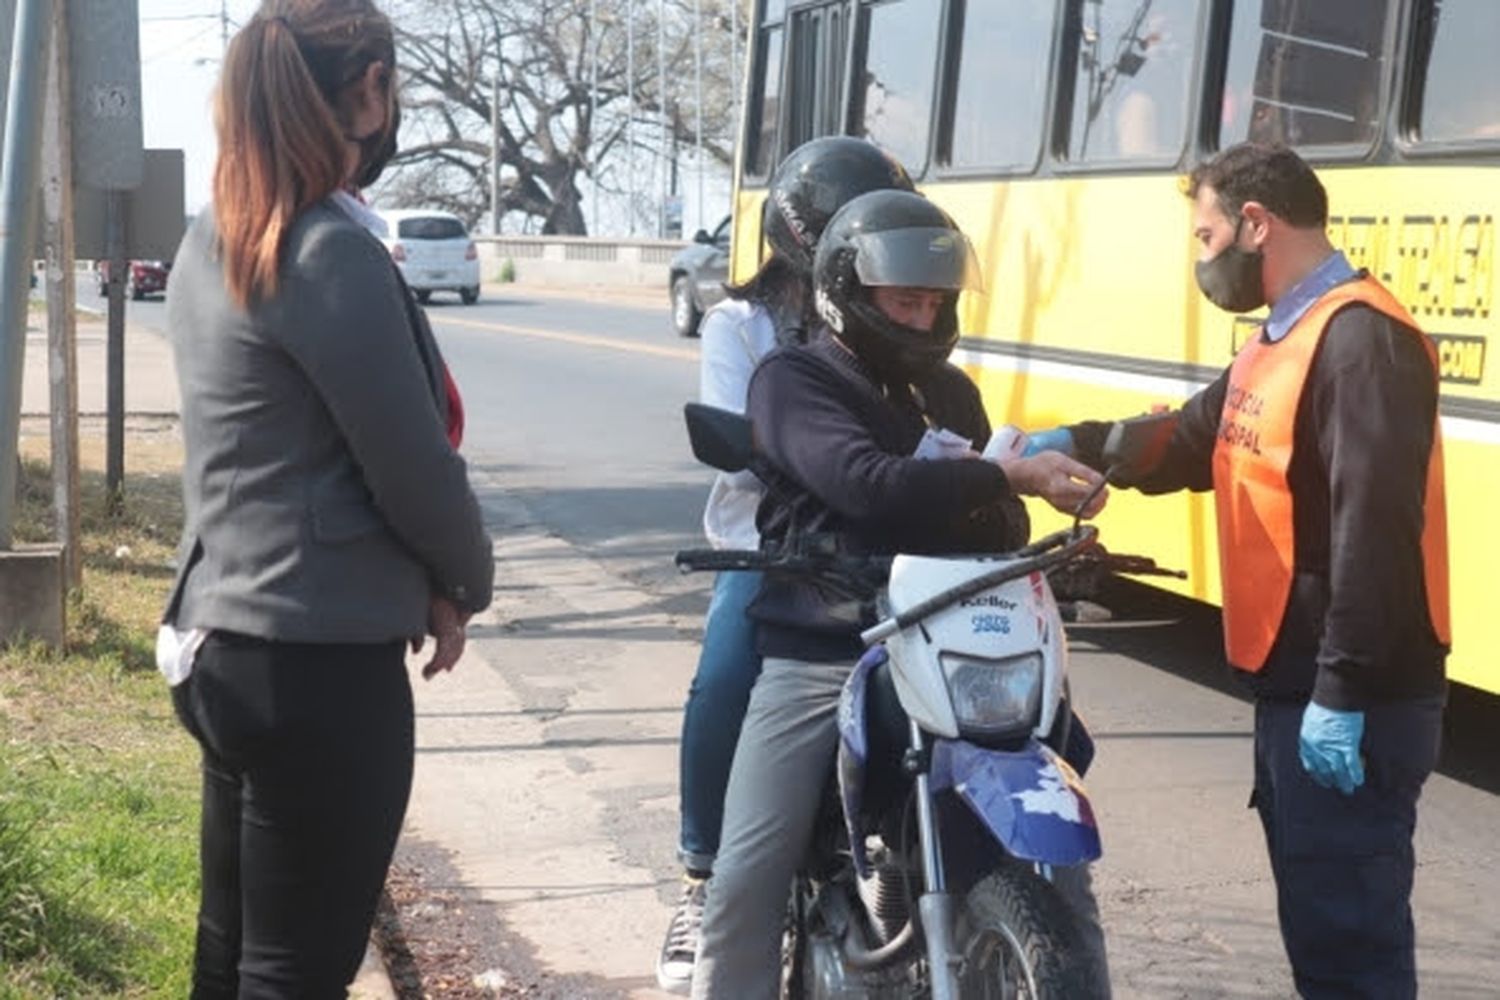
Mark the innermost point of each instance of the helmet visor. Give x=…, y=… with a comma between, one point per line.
x=933, y=257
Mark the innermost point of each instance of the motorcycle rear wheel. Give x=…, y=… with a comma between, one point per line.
x=1018, y=940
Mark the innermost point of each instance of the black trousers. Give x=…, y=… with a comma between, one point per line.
x=307, y=767
x=1343, y=864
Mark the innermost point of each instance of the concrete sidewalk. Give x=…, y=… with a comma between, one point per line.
x=150, y=379
x=546, y=780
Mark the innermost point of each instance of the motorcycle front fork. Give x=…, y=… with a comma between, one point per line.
x=937, y=908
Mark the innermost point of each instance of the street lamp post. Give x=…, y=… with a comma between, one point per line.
x=630, y=192
x=19, y=193
x=698, y=102
x=661, y=100
x=495, y=147
x=594, y=114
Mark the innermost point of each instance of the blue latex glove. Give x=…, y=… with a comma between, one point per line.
x=1052, y=439
x=1329, y=747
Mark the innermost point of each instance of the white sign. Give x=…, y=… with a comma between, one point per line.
x=105, y=61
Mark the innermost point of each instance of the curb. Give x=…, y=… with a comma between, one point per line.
x=372, y=982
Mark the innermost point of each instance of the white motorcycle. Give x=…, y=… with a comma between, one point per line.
x=958, y=809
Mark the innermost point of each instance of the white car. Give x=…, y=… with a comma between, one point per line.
x=434, y=253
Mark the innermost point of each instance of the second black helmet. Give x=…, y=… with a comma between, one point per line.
x=814, y=181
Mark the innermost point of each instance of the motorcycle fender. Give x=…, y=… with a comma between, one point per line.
x=854, y=752
x=1031, y=800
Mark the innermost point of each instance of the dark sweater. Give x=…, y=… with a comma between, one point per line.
x=1356, y=630
x=836, y=456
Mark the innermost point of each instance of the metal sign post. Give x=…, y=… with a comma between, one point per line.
x=108, y=155
x=116, y=206
x=19, y=192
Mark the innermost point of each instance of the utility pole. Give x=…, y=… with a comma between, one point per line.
x=630, y=110
x=495, y=149
x=18, y=194
x=62, y=317
x=223, y=26
x=661, y=99
x=735, y=87
x=594, y=171
x=698, y=103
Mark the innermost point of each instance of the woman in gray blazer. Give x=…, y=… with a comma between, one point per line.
x=329, y=521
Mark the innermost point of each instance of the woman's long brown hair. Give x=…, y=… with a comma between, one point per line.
x=281, y=140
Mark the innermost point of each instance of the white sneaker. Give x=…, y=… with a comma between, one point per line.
x=674, y=969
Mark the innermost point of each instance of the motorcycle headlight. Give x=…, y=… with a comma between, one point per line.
x=994, y=697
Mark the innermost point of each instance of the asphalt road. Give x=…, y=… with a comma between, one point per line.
x=547, y=763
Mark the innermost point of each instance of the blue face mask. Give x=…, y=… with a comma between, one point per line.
x=1233, y=279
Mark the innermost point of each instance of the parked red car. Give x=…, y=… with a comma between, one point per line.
x=143, y=278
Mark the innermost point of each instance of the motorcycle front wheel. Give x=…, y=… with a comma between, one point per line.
x=1018, y=940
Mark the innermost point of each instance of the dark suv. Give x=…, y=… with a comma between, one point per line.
x=697, y=276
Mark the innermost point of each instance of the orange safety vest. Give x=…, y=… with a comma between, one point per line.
x=1253, y=498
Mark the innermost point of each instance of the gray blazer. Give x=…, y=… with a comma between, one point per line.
x=323, y=501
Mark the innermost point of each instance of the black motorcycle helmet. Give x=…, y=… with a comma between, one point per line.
x=812, y=183
x=892, y=239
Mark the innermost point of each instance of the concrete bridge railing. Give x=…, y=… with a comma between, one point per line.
x=567, y=260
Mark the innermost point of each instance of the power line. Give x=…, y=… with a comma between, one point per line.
x=178, y=46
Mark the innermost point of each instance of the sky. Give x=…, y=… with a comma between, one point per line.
x=180, y=50
x=179, y=67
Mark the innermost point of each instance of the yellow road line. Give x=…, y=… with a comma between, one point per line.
x=566, y=337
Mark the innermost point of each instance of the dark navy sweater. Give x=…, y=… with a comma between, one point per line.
x=835, y=451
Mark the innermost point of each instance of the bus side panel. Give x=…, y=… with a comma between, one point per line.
x=1473, y=483
x=1092, y=308
x=1131, y=523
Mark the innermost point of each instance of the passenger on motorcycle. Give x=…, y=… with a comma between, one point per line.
x=773, y=307
x=839, y=424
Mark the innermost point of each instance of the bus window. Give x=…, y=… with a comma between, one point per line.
x=765, y=104
x=1455, y=95
x=816, y=86
x=999, y=97
x=1306, y=74
x=1132, y=86
x=895, y=89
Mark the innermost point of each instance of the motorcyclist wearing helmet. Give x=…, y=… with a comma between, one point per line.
x=773, y=307
x=842, y=425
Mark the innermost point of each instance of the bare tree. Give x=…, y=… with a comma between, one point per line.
x=558, y=122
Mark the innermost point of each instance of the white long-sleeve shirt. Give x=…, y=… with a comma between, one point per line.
x=735, y=335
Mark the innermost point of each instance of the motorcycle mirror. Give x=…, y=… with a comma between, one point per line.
x=719, y=438
x=1137, y=445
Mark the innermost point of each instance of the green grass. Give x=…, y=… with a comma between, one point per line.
x=98, y=783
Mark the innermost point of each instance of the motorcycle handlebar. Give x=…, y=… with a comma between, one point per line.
x=1045, y=553
x=1040, y=556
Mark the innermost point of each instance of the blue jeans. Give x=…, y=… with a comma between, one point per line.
x=727, y=668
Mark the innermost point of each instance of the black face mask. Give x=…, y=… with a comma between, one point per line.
x=1233, y=278
x=377, y=149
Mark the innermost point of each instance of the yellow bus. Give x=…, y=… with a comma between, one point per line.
x=1057, y=133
